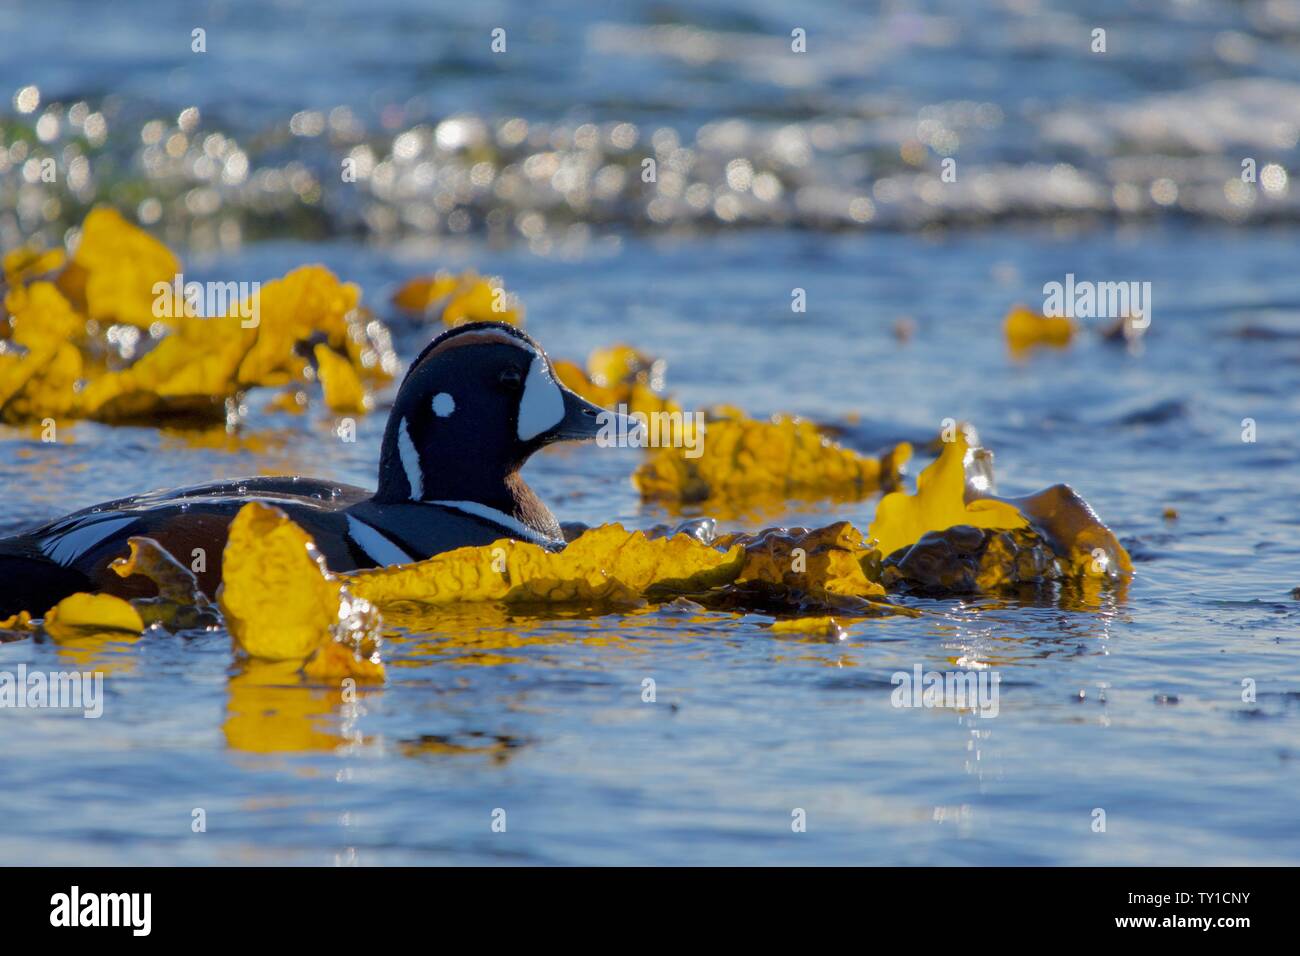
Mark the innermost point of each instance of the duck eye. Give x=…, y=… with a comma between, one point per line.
x=511, y=378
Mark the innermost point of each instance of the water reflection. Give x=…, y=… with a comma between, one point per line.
x=108, y=654
x=271, y=709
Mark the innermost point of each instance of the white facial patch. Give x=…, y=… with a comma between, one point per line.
x=410, y=461
x=443, y=404
x=542, y=404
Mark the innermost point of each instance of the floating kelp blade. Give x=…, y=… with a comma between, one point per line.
x=1024, y=329
x=940, y=502
x=92, y=615
x=954, y=536
x=741, y=459
x=180, y=603
x=608, y=564
x=457, y=299
x=281, y=603
x=182, y=364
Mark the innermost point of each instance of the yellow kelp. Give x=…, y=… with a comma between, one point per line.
x=335, y=660
x=623, y=365
x=199, y=363
x=829, y=560
x=619, y=376
x=205, y=361
x=1085, y=546
x=742, y=458
x=122, y=264
x=42, y=382
x=1025, y=328
x=418, y=294
x=730, y=457
x=40, y=317
x=604, y=565
x=369, y=347
x=1067, y=523
x=457, y=299
x=281, y=603
x=939, y=502
x=190, y=373
x=180, y=604
x=339, y=382
x=572, y=376
x=269, y=710
x=968, y=560
x=819, y=628
x=92, y=615
x=26, y=263
x=954, y=492
x=20, y=622
x=147, y=558
x=632, y=398
x=306, y=301
x=39, y=384
x=829, y=567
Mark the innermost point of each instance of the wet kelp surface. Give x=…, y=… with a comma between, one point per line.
x=689, y=723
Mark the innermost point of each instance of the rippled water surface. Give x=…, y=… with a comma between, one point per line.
x=1134, y=707
x=546, y=719
x=546, y=139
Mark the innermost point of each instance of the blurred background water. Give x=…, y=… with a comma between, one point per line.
x=775, y=171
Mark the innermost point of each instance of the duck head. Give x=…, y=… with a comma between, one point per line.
x=474, y=405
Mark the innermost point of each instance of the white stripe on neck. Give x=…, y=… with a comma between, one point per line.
x=520, y=529
x=376, y=545
x=410, y=461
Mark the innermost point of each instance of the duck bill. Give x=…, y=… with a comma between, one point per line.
x=584, y=421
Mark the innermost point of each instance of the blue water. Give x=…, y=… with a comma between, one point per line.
x=1135, y=707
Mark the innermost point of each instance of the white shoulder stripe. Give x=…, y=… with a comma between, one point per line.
x=410, y=461
x=519, y=529
x=378, y=546
x=66, y=546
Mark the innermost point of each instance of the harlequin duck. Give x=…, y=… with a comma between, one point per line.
x=474, y=405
